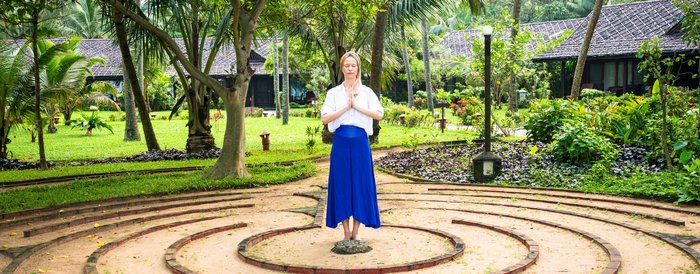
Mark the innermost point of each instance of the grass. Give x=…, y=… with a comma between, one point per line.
x=286, y=142
x=27, y=174
x=135, y=185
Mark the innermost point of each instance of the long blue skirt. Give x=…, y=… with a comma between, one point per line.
x=351, y=185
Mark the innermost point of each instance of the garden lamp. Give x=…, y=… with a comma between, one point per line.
x=486, y=166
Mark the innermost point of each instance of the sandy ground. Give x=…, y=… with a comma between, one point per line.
x=557, y=229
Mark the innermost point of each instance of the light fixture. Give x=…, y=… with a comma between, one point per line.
x=487, y=30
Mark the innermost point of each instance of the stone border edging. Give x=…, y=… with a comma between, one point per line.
x=421, y=180
x=68, y=178
x=633, y=203
x=532, y=247
x=53, y=227
x=9, y=269
x=171, y=259
x=52, y=214
x=694, y=254
x=91, y=262
x=651, y=217
x=243, y=246
x=614, y=256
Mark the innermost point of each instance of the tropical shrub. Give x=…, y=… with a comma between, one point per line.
x=467, y=109
x=546, y=117
x=414, y=118
x=578, y=143
x=392, y=113
x=588, y=93
x=88, y=123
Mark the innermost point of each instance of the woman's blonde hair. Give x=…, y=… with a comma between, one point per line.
x=358, y=77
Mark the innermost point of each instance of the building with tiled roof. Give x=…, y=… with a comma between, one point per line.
x=611, y=62
x=259, y=91
x=459, y=43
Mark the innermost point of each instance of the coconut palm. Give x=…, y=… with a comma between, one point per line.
x=15, y=100
x=63, y=78
x=82, y=18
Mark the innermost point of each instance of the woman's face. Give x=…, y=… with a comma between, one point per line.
x=350, y=68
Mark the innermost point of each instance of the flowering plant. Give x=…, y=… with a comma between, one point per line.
x=467, y=109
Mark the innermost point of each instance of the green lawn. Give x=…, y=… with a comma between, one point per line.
x=134, y=185
x=286, y=142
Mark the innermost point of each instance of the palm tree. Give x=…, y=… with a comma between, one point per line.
x=402, y=11
x=426, y=63
x=285, y=79
x=581, y=61
x=84, y=19
x=14, y=99
x=63, y=77
x=512, y=84
x=244, y=17
x=406, y=62
x=129, y=70
x=276, y=79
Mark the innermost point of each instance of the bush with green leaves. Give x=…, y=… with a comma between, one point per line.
x=468, y=109
x=414, y=118
x=547, y=116
x=392, y=113
x=577, y=143
x=588, y=93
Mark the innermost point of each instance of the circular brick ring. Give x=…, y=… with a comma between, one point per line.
x=171, y=260
x=246, y=244
x=533, y=249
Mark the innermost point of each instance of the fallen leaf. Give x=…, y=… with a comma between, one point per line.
x=12, y=234
x=100, y=244
x=41, y=270
x=97, y=225
x=90, y=236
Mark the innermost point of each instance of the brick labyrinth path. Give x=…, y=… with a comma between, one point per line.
x=428, y=228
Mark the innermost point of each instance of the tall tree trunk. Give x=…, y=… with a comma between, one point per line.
x=3, y=142
x=581, y=62
x=426, y=64
x=276, y=79
x=3, y=129
x=285, y=79
x=199, y=137
x=141, y=78
x=375, y=76
x=131, y=127
x=664, y=125
x=37, y=93
x=231, y=163
x=151, y=141
x=407, y=67
x=512, y=83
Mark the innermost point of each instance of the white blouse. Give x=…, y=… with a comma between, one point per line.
x=336, y=98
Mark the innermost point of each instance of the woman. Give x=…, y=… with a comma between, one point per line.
x=348, y=111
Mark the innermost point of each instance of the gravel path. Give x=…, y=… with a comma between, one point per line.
x=430, y=228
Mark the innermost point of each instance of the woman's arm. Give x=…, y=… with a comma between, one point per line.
x=331, y=116
x=372, y=108
x=374, y=114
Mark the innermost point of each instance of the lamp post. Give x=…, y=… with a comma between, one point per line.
x=487, y=165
